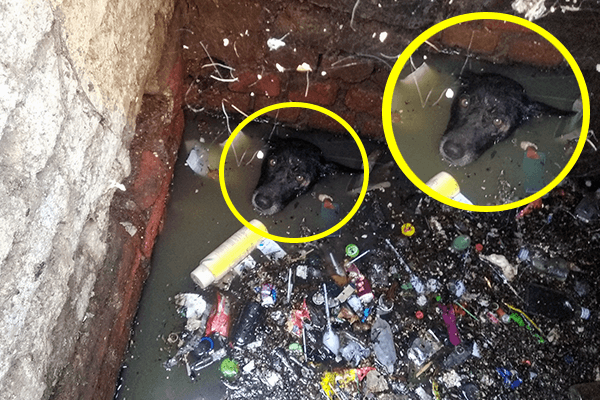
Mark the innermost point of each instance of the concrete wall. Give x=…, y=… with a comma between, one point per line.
x=71, y=81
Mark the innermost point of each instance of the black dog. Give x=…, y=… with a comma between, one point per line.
x=290, y=169
x=487, y=109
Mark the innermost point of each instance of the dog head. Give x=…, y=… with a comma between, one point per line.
x=291, y=168
x=487, y=109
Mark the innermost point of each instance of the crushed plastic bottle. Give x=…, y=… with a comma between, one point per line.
x=383, y=344
x=539, y=260
x=553, y=304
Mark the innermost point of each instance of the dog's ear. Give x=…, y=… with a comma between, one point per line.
x=330, y=168
x=536, y=109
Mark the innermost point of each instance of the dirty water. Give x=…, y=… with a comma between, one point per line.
x=502, y=174
x=197, y=221
x=546, y=362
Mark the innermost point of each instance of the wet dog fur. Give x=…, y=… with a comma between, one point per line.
x=487, y=109
x=290, y=169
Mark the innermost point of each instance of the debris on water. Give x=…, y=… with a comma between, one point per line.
x=383, y=344
x=467, y=306
x=508, y=270
x=198, y=160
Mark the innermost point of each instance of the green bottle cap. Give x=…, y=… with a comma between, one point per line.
x=352, y=250
x=229, y=368
x=461, y=243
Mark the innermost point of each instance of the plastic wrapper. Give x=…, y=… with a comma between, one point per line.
x=383, y=344
x=218, y=321
x=295, y=323
x=349, y=378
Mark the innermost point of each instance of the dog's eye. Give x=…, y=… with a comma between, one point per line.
x=299, y=178
x=497, y=122
x=272, y=162
x=464, y=102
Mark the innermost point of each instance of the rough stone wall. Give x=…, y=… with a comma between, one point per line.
x=71, y=79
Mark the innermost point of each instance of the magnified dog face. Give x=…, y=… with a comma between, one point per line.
x=487, y=109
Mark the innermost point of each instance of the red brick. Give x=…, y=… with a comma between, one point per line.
x=320, y=93
x=533, y=49
x=245, y=79
x=213, y=97
x=148, y=179
x=318, y=120
x=289, y=115
x=372, y=127
x=471, y=37
x=269, y=86
x=348, y=69
x=496, y=25
x=365, y=99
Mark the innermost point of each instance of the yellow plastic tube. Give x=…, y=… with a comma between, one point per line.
x=229, y=254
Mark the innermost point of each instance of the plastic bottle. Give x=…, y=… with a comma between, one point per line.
x=225, y=257
x=447, y=186
x=555, y=267
x=247, y=323
x=553, y=304
x=585, y=391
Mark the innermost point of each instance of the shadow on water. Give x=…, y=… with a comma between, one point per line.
x=503, y=174
x=198, y=220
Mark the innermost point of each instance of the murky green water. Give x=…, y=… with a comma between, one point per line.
x=499, y=176
x=197, y=221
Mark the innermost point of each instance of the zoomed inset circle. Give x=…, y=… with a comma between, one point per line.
x=313, y=107
x=420, y=40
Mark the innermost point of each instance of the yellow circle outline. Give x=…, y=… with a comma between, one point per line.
x=415, y=44
x=313, y=107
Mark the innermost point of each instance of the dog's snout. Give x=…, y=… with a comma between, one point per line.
x=453, y=150
x=262, y=202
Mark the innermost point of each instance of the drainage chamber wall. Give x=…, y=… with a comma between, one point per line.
x=72, y=79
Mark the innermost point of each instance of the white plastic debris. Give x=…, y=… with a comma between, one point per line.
x=249, y=367
x=195, y=307
x=198, y=160
x=422, y=393
x=509, y=270
x=271, y=249
x=272, y=378
x=451, y=379
x=194, y=304
x=533, y=9
x=279, y=67
x=275, y=44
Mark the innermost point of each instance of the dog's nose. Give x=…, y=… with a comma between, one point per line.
x=263, y=202
x=453, y=150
